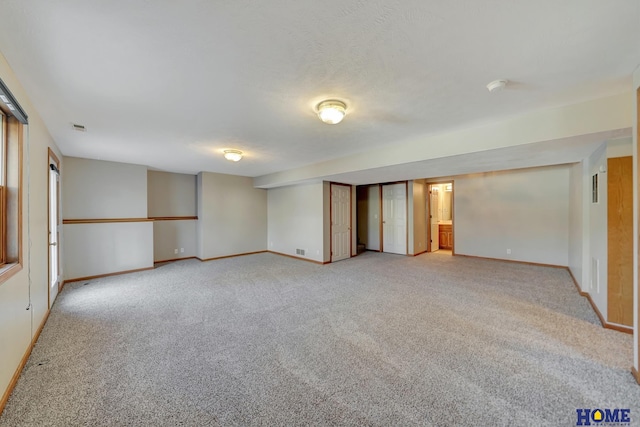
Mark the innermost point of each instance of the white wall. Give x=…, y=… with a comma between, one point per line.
x=524, y=210
x=19, y=325
x=576, y=231
x=95, y=189
x=295, y=220
x=172, y=195
x=99, y=189
x=597, y=286
x=95, y=249
x=232, y=216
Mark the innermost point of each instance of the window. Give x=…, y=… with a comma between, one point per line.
x=13, y=120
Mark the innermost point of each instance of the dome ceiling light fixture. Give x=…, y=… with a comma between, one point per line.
x=233, y=155
x=497, y=85
x=331, y=111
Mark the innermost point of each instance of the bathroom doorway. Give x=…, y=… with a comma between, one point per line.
x=440, y=217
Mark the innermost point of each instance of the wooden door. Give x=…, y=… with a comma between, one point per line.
x=620, y=240
x=340, y=222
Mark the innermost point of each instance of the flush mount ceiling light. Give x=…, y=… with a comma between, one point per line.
x=497, y=85
x=331, y=111
x=233, y=155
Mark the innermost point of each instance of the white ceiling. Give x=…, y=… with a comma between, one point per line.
x=170, y=84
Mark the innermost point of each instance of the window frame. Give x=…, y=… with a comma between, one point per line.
x=13, y=143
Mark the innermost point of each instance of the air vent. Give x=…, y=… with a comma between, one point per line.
x=299, y=251
x=79, y=128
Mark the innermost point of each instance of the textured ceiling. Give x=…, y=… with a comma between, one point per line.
x=170, y=84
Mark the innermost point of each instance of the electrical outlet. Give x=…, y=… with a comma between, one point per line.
x=181, y=250
x=508, y=251
x=175, y=251
x=271, y=244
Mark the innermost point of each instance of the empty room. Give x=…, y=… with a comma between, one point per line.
x=412, y=213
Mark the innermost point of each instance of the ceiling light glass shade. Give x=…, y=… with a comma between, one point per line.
x=233, y=155
x=332, y=111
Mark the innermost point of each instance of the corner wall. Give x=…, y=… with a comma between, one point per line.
x=598, y=244
x=232, y=216
x=96, y=191
x=295, y=216
x=525, y=210
x=172, y=196
x=19, y=325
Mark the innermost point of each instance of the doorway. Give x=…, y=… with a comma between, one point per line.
x=340, y=222
x=394, y=218
x=440, y=217
x=53, y=202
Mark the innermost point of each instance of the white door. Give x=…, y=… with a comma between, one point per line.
x=394, y=218
x=54, y=233
x=434, y=217
x=340, y=222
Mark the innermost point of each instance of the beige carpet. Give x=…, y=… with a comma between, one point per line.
x=377, y=340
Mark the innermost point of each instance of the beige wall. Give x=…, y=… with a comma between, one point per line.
x=98, y=189
x=524, y=210
x=232, y=216
x=172, y=195
x=419, y=217
x=94, y=249
x=295, y=220
x=19, y=325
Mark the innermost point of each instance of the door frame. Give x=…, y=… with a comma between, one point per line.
x=52, y=155
x=453, y=211
x=331, y=219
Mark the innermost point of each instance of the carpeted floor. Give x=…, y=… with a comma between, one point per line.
x=377, y=340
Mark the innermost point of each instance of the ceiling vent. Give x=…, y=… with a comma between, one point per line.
x=79, y=128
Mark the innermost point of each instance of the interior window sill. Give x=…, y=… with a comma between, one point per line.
x=8, y=270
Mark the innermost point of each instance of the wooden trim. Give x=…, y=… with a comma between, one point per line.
x=10, y=271
x=14, y=135
x=575, y=282
x=176, y=259
x=637, y=226
x=229, y=256
x=172, y=218
x=453, y=218
x=605, y=324
x=406, y=217
x=117, y=273
x=419, y=253
x=3, y=195
x=23, y=362
x=634, y=372
x=513, y=261
x=104, y=220
x=381, y=243
x=300, y=258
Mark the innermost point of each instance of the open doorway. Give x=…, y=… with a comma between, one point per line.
x=440, y=217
